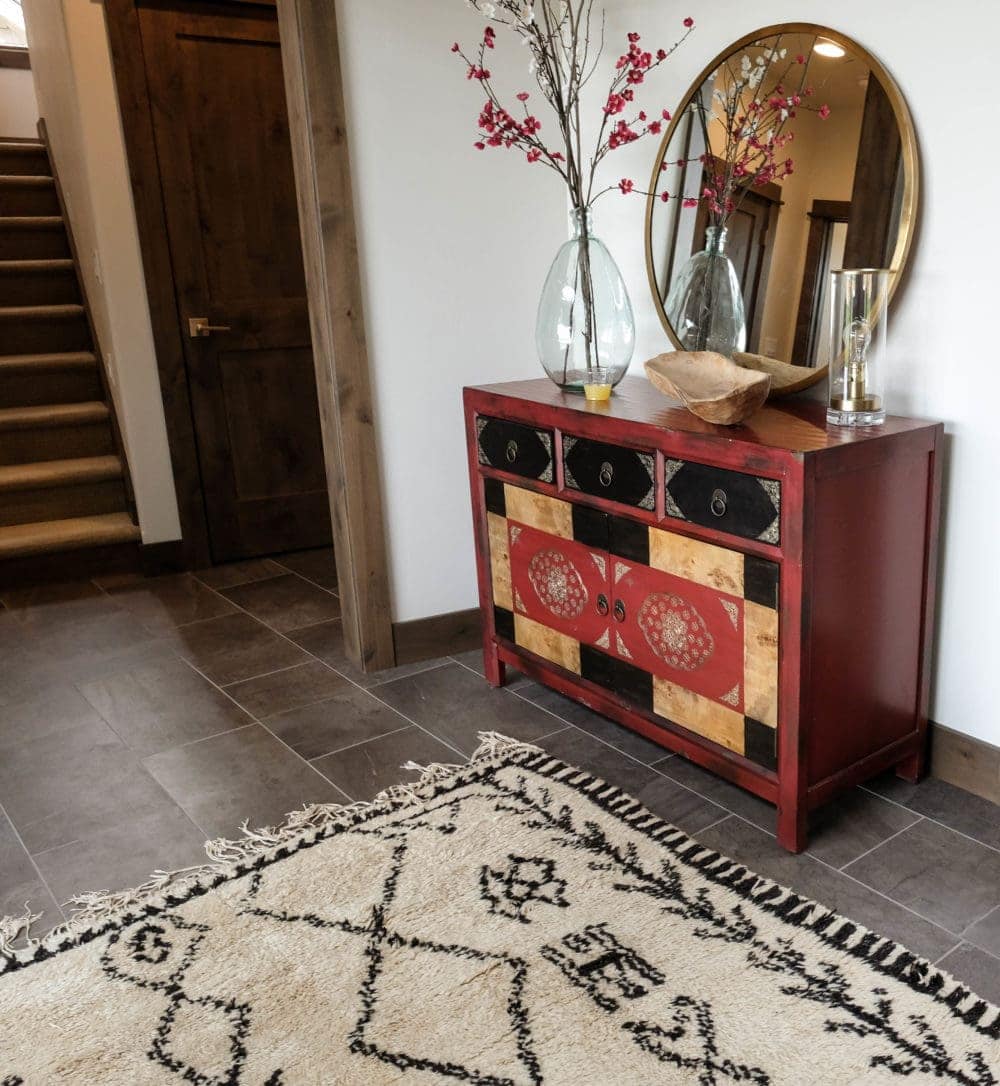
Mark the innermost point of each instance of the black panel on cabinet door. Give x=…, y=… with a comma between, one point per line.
x=629, y=539
x=628, y=682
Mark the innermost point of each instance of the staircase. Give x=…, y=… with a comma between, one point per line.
x=63, y=481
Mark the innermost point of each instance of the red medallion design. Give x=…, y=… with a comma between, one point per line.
x=557, y=584
x=675, y=631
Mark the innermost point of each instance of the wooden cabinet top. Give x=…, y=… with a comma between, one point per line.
x=798, y=426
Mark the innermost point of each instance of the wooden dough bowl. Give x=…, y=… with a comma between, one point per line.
x=785, y=378
x=709, y=385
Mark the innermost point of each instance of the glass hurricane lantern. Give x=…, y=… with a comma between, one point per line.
x=858, y=344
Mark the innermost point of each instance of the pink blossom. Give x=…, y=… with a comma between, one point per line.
x=654, y=127
x=626, y=185
x=800, y=59
x=523, y=96
x=534, y=154
x=824, y=111
x=690, y=201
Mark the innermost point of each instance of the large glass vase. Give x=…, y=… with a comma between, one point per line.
x=705, y=303
x=585, y=319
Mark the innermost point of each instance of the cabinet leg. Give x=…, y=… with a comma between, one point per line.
x=494, y=668
x=793, y=826
x=914, y=768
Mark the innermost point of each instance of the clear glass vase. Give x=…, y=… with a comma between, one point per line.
x=705, y=304
x=585, y=319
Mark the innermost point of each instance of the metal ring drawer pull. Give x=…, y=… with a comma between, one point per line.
x=718, y=503
x=606, y=474
x=602, y=604
x=511, y=451
x=619, y=610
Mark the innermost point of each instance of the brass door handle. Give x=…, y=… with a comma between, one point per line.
x=198, y=327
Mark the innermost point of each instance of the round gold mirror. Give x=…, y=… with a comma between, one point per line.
x=793, y=155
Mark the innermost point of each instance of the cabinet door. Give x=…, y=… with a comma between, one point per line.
x=550, y=581
x=703, y=621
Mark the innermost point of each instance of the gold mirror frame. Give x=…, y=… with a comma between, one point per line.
x=911, y=183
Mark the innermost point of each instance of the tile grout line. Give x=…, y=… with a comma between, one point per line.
x=31, y=859
x=288, y=569
x=360, y=743
x=930, y=818
x=857, y=881
x=891, y=837
x=285, y=637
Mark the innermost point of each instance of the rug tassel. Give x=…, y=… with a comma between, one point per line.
x=96, y=909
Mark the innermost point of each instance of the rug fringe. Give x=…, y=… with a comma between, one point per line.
x=98, y=908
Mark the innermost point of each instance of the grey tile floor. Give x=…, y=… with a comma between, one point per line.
x=140, y=717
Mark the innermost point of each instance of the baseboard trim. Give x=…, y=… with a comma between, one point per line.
x=438, y=635
x=969, y=763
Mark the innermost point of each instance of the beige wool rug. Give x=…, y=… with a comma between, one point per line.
x=507, y=923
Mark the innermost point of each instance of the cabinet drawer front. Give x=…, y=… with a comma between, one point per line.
x=731, y=501
x=610, y=471
x=511, y=446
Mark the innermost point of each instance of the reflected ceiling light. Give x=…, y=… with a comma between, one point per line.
x=828, y=48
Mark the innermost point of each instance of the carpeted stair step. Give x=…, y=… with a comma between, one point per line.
x=74, y=533
x=43, y=329
x=24, y=157
x=38, y=282
x=54, y=432
x=33, y=380
x=28, y=194
x=57, y=489
x=33, y=237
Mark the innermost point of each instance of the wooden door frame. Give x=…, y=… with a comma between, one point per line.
x=822, y=215
x=314, y=91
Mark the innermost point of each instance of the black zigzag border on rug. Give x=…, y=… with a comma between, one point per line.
x=884, y=955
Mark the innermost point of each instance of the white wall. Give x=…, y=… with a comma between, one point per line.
x=71, y=65
x=455, y=246
x=18, y=108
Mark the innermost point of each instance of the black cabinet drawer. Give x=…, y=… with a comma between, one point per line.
x=610, y=471
x=514, y=447
x=743, y=505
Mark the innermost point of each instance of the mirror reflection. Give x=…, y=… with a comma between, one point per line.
x=789, y=160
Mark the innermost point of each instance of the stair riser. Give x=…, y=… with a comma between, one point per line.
x=39, y=288
x=55, y=443
x=33, y=163
x=27, y=389
x=33, y=243
x=28, y=199
x=45, y=335
x=54, y=503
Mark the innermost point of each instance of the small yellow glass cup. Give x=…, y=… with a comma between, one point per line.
x=597, y=384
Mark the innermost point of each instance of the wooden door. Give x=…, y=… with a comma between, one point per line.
x=221, y=131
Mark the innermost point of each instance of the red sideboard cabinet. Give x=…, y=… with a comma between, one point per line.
x=758, y=598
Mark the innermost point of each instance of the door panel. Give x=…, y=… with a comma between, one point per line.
x=559, y=583
x=222, y=141
x=681, y=631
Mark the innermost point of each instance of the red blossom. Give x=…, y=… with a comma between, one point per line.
x=666, y=115
x=523, y=96
x=534, y=154
x=689, y=22
x=456, y=48
x=824, y=111
x=690, y=202
x=664, y=196
x=633, y=37
x=661, y=54
x=800, y=59
x=479, y=145
x=626, y=185
x=654, y=127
